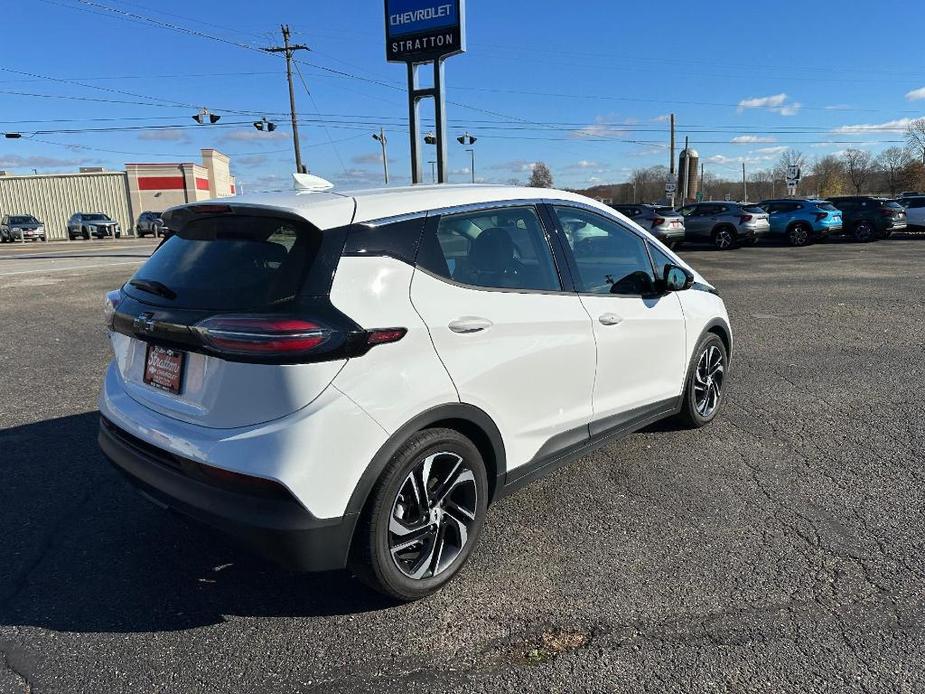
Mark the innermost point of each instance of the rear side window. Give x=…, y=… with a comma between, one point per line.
x=915, y=203
x=233, y=263
x=503, y=249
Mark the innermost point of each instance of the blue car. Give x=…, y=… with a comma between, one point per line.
x=802, y=221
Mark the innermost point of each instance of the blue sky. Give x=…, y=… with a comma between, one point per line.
x=584, y=87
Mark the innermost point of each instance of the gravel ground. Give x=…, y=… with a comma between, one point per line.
x=779, y=549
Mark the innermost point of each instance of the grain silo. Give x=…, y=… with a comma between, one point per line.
x=688, y=167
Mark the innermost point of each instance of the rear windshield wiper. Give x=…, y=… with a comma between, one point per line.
x=154, y=287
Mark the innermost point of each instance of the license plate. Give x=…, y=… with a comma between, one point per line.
x=164, y=368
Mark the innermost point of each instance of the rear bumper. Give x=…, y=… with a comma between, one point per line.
x=668, y=234
x=277, y=528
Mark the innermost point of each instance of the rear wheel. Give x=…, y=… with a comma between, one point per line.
x=724, y=238
x=863, y=232
x=674, y=245
x=706, y=379
x=424, y=516
x=799, y=234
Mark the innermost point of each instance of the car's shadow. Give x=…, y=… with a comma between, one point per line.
x=82, y=552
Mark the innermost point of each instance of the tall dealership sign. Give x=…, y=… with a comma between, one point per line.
x=419, y=32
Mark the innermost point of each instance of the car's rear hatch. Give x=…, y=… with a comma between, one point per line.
x=229, y=324
x=754, y=216
x=670, y=219
x=895, y=212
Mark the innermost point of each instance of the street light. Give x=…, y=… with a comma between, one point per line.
x=433, y=171
x=467, y=139
x=382, y=140
x=430, y=139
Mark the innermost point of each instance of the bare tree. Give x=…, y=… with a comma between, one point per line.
x=828, y=176
x=915, y=137
x=892, y=162
x=541, y=176
x=788, y=158
x=858, y=167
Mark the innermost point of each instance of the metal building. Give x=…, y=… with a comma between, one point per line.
x=53, y=198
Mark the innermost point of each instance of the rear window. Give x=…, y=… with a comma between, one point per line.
x=669, y=211
x=752, y=209
x=892, y=204
x=21, y=220
x=826, y=206
x=233, y=263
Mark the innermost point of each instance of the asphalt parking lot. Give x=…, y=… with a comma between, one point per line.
x=779, y=549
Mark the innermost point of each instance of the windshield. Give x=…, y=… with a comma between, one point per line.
x=230, y=264
x=95, y=218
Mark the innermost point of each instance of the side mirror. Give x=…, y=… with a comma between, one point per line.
x=677, y=279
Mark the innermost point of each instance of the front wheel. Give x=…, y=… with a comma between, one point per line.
x=706, y=379
x=424, y=516
x=798, y=235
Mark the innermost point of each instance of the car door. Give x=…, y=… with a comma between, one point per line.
x=696, y=224
x=516, y=343
x=640, y=333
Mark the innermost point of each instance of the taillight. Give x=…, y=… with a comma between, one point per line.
x=287, y=339
x=110, y=304
x=658, y=221
x=261, y=336
x=745, y=218
x=821, y=215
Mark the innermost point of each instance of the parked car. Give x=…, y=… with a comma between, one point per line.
x=664, y=223
x=21, y=227
x=149, y=223
x=868, y=218
x=802, y=221
x=915, y=211
x=350, y=380
x=725, y=224
x=84, y=225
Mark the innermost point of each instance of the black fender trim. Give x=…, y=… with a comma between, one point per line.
x=471, y=415
x=727, y=332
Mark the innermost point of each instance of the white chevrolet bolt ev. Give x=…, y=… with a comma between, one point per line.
x=349, y=380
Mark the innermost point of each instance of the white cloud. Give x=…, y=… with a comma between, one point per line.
x=790, y=109
x=15, y=161
x=371, y=158
x=916, y=94
x=603, y=126
x=891, y=126
x=839, y=107
x=776, y=103
x=254, y=135
x=771, y=150
x=763, y=101
x=664, y=118
x=516, y=166
x=164, y=135
x=750, y=139
x=583, y=164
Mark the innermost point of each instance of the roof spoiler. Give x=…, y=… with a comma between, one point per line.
x=308, y=182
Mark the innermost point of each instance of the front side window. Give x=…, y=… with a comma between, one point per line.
x=503, y=248
x=610, y=258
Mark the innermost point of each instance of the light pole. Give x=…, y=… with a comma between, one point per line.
x=467, y=139
x=382, y=139
x=433, y=170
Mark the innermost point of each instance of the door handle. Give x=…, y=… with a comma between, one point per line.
x=610, y=319
x=469, y=324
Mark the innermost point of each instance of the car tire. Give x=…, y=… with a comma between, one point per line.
x=799, y=234
x=886, y=233
x=674, y=245
x=863, y=232
x=704, y=390
x=724, y=238
x=404, y=535
x=86, y=235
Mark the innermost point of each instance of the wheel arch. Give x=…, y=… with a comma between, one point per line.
x=720, y=328
x=468, y=420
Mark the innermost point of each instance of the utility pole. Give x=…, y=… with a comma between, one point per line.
x=670, y=160
x=433, y=170
x=288, y=49
x=471, y=152
x=702, y=194
x=385, y=157
x=744, y=185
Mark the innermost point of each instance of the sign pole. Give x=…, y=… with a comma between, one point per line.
x=440, y=117
x=414, y=122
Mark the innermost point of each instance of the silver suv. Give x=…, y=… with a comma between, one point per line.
x=725, y=224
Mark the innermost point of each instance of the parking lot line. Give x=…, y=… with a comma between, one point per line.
x=73, y=267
